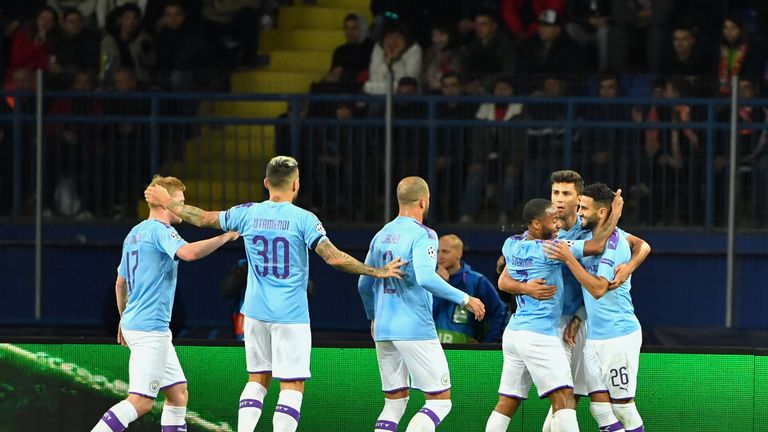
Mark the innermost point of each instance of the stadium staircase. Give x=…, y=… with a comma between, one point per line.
x=300, y=50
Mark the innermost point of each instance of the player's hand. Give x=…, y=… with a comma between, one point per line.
x=557, y=250
x=501, y=265
x=617, y=204
x=231, y=235
x=392, y=269
x=476, y=307
x=443, y=273
x=157, y=195
x=120, y=338
x=538, y=289
x=569, y=335
x=621, y=276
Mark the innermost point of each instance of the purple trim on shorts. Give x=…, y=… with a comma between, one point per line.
x=385, y=425
x=171, y=385
x=513, y=396
x=396, y=390
x=597, y=391
x=611, y=428
x=285, y=409
x=436, y=391
x=143, y=395
x=250, y=403
x=292, y=379
x=431, y=414
x=177, y=428
x=111, y=420
x=259, y=372
x=623, y=399
x=547, y=393
x=640, y=429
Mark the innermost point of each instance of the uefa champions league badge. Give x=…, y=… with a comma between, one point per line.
x=431, y=252
x=319, y=228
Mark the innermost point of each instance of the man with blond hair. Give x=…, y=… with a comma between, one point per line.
x=146, y=283
x=277, y=236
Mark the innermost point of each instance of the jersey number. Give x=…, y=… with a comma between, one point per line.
x=621, y=374
x=131, y=271
x=264, y=253
x=388, y=256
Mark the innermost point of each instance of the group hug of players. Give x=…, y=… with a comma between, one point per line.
x=574, y=332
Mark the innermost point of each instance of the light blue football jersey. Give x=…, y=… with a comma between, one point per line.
x=612, y=315
x=402, y=308
x=149, y=267
x=277, y=237
x=526, y=260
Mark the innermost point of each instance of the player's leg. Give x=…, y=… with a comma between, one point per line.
x=428, y=367
x=174, y=386
x=600, y=401
x=621, y=358
x=514, y=385
x=258, y=359
x=145, y=371
x=291, y=349
x=572, y=353
x=394, y=384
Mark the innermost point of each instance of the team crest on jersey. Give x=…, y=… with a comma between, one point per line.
x=445, y=379
x=154, y=386
x=319, y=228
x=431, y=252
x=568, y=243
x=175, y=235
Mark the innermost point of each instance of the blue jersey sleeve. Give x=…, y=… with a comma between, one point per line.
x=313, y=230
x=495, y=310
x=232, y=219
x=424, y=265
x=365, y=288
x=121, y=267
x=168, y=241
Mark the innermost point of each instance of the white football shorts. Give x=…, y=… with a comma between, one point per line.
x=616, y=361
x=583, y=381
x=423, y=361
x=282, y=349
x=153, y=364
x=533, y=357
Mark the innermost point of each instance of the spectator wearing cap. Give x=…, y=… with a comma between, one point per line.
x=394, y=52
x=588, y=23
x=520, y=16
x=638, y=23
x=491, y=54
x=128, y=47
x=551, y=51
x=737, y=55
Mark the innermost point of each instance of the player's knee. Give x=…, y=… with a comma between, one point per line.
x=507, y=405
x=177, y=395
x=562, y=399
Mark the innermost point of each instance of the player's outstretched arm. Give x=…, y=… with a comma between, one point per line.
x=121, y=294
x=602, y=233
x=535, y=288
x=640, y=250
x=158, y=195
x=559, y=250
x=342, y=261
x=200, y=249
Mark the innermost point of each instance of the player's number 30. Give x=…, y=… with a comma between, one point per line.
x=280, y=273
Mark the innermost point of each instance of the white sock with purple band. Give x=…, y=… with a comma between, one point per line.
x=629, y=417
x=427, y=419
x=173, y=419
x=605, y=418
x=287, y=411
x=565, y=421
x=117, y=418
x=251, y=400
x=391, y=414
x=497, y=422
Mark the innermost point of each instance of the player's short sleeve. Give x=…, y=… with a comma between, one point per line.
x=313, y=230
x=168, y=240
x=425, y=251
x=121, y=267
x=232, y=219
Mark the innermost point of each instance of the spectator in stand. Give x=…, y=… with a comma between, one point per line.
x=76, y=50
x=491, y=54
x=642, y=23
x=685, y=57
x=232, y=27
x=353, y=57
x=86, y=9
x=440, y=58
x=393, y=52
x=495, y=156
x=588, y=23
x=109, y=11
x=32, y=44
x=551, y=51
x=128, y=48
x=737, y=56
x=520, y=16
x=451, y=87
x=181, y=51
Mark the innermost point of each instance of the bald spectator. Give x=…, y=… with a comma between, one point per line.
x=491, y=54
x=454, y=323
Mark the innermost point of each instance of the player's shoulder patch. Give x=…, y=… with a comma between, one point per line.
x=613, y=241
x=319, y=228
x=607, y=261
x=432, y=253
x=175, y=235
